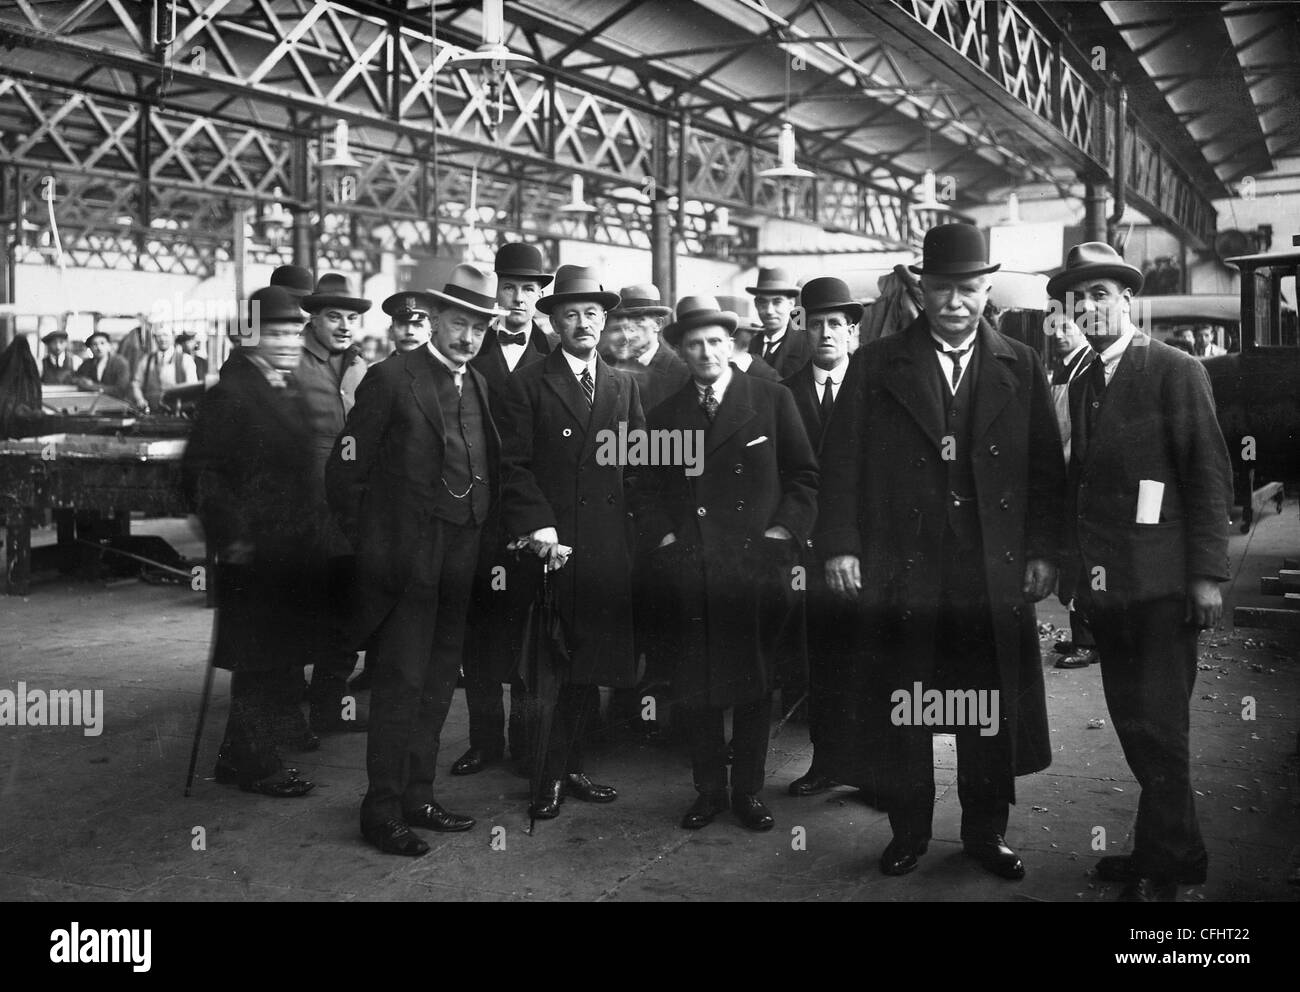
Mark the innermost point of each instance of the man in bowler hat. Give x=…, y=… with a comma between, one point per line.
x=941, y=512
x=1147, y=538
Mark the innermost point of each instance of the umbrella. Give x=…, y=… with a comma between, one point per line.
x=543, y=665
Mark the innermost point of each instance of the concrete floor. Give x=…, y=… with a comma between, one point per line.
x=103, y=818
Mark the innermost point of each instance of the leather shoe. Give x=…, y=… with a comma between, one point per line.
x=997, y=857
x=431, y=816
x=282, y=786
x=707, y=805
x=1080, y=659
x=901, y=856
x=751, y=812
x=1119, y=868
x=392, y=836
x=581, y=787
x=474, y=761
x=1150, y=890
x=548, y=806
x=811, y=784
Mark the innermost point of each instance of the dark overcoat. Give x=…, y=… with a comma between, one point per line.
x=792, y=354
x=552, y=477
x=383, y=476
x=248, y=473
x=884, y=496
x=734, y=585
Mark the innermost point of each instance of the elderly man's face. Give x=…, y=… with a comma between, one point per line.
x=830, y=333
x=579, y=323
x=627, y=337
x=953, y=305
x=411, y=329
x=334, y=328
x=520, y=297
x=773, y=311
x=458, y=334
x=706, y=351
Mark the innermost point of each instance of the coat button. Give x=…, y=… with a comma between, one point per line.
x=1004, y=503
x=740, y=504
x=993, y=450
x=701, y=511
x=567, y=432
x=1096, y=404
x=739, y=470
x=1016, y=611
x=1009, y=556
x=909, y=562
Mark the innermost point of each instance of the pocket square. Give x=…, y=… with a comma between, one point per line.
x=757, y=440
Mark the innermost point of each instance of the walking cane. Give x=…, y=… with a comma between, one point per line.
x=207, y=685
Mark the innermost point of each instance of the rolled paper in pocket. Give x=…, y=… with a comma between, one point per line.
x=1150, y=495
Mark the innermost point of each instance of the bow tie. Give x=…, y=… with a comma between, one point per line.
x=512, y=337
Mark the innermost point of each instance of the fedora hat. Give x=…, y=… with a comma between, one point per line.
x=954, y=250
x=829, y=293
x=1093, y=260
x=641, y=300
x=274, y=303
x=469, y=288
x=294, y=278
x=521, y=261
x=577, y=282
x=698, y=311
x=402, y=305
x=332, y=291
x=774, y=281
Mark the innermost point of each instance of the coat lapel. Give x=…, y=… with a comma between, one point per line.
x=421, y=368
x=1126, y=382
x=736, y=410
x=996, y=383
x=914, y=380
x=560, y=379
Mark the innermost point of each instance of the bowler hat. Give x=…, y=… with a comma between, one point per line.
x=472, y=289
x=641, y=300
x=829, y=293
x=774, y=281
x=1093, y=260
x=293, y=278
x=522, y=261
x=332, y=291
x=54, y=334
x=273, y=303
x=577, y=282
x=698, y=311
x=954, y=250
x=402, y=305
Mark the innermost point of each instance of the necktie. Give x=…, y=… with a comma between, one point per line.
x=710, y=403
x=828, y=400
x=769, y=348
x=956, y=354
x=588, y=386
x=512, y=337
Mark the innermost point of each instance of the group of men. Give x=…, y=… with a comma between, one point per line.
x=893, y=514
x=171, y=360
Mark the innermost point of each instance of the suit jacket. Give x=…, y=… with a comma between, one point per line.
x=55, y=375
x=808, y=400
x=117, y=376
x=329, y=398
x=734, y=585
x=884, y=499
x=491, y=364
x=383, y=476
x=1156, y=422
x=247, y=473
x=792, y=353
x=759, y=369
x=556, y=473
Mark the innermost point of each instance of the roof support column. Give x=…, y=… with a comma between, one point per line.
x=1094, y=210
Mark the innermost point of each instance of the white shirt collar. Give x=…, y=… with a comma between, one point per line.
x=719, y=385
x=577, y=364
x=742, y=360
x=1114, y=352
x=446, y=362
x=645, y=357
x=836, y=375
x=965, y=343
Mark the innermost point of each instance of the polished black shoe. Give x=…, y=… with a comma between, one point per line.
x=901, y=856
x=394, y=837
x=431, y=816
x=581, y=787
x=548, y=807
x=751, y=812
x=1120, y=868
x=997, y=857
x=811, y=784
x=474, y=761
x=361, y=683
x=281, y=786
x=707, y=805
x=1150, y=890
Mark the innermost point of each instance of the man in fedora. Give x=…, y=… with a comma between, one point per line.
x=724, y=534
x=941, y=512
x=823, y=632
x=411, y=480
x=631, y=343
x=1147, y=541
x=515, y=340
x=558, y=491
x=328, y=374
x=781, y=345
x=103, y=371
x=58, y=367
x=747, y=329
x=249, y=476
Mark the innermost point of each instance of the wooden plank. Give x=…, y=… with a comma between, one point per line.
x=1289, y=579
x=1249, y=616
x=1270, y=585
